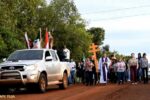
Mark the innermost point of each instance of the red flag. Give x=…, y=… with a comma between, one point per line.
x=46, y=40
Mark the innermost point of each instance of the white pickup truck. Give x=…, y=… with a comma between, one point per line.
x=34, y=68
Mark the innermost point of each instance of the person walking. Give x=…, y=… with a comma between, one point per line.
x=89, y=74
x=72, y=66
x=121, y=67
x=144, y=66
x=112, y=70
x=94, y=72
x=83, y=72
x=78, y=72
x=128, y=71
x=104, y=63
x=139, y=70
x=133, y=65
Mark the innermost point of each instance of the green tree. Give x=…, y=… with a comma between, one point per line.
x=68, y=28
x=98, y=35
x=106, y=48
x=61, y=17
x=8, y=42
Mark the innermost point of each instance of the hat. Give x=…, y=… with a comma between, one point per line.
x=114, y=58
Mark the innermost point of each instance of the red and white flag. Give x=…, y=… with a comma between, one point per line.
x=27, y=40
x=46, y=40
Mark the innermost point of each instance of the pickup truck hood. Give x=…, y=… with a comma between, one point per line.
x=21, y=62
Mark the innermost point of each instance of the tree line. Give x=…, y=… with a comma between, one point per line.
x=60, y=17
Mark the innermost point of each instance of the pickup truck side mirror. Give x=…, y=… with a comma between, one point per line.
x=49, y=58
x=4, y=59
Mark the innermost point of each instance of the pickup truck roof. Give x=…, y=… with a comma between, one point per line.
x=40, y=55
x=35, y=49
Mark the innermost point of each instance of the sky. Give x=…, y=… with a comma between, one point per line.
x=126, y=23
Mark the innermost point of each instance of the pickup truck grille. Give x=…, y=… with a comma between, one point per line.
x=10, y=75
x=19, y=68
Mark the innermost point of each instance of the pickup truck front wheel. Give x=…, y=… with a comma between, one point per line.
x=42, y=84
x=64, y=84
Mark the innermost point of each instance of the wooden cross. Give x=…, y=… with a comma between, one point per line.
x=93, y=49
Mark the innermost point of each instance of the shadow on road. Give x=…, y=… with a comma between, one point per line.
x=20, y=91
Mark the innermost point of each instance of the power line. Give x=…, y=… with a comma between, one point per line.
x=121, y=17
x=121, y=9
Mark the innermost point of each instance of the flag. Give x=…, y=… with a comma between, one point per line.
x=37, y=41
x=46, y=40
x=36, y=44
x=27, y=40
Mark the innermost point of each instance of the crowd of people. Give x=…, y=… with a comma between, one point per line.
x=112, y=70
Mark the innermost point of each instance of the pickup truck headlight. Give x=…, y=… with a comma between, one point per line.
x=31, y=67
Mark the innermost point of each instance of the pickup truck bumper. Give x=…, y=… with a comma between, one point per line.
x=11, y=78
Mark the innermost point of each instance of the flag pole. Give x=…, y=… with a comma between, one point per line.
x=40, y=38
x=27, y=40
x=40, y=34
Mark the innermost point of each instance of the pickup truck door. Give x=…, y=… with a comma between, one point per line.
x=49, y=67
x=56, y=65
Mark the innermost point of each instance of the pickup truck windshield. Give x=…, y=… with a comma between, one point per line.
x=26, y=55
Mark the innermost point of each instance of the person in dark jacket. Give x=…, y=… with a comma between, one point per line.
x=144, y=66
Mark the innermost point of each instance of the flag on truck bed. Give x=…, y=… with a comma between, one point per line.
x=46, y=40
x=37, y=41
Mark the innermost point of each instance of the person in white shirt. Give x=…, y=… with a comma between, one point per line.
x=72, y=66
x=66, y=53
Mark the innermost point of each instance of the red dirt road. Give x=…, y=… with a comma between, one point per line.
x=81, y=92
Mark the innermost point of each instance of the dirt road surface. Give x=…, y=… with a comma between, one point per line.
x=81, y=92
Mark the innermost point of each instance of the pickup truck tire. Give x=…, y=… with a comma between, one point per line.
x=64, y=84
x=42, y=84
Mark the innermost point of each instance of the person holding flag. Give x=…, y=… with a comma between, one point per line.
x=28, y=41
x=50, y=40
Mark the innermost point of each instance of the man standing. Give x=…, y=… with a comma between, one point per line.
x=133, y=65
x=72, y=66
x=103, y=67
x=144, y=65
x=66, y=53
